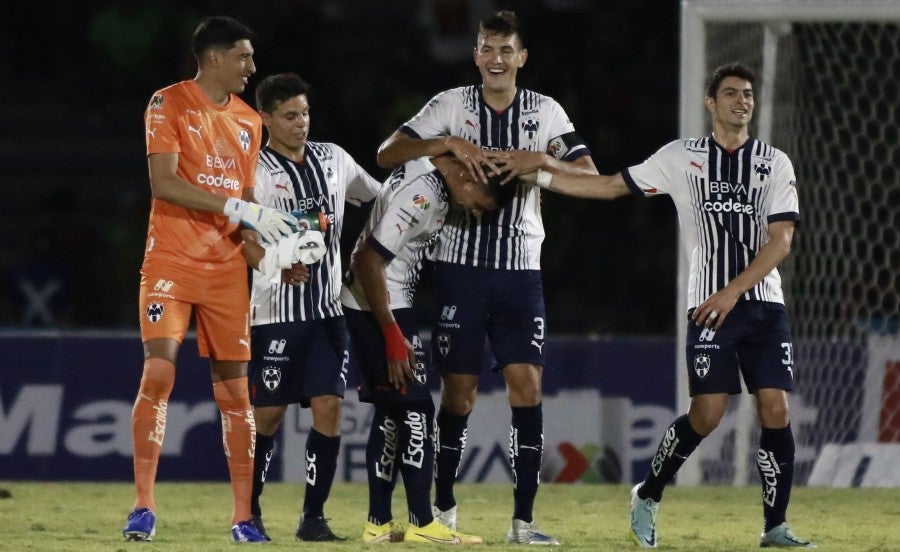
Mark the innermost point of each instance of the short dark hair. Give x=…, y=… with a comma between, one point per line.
x=501, y=194
x=728, y=70
x=503, y=23
x=218, y=31
x=275, y=89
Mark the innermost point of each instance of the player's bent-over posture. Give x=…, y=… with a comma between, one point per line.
x=300, y=341
x=378, y=296
x=487, y=271
x=736, y=199
x=202, y=147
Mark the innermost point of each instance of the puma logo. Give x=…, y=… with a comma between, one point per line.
x=698, y=165
x=281, y=187
x=151, y=132
x=399, y=229
x=195, y=130
x=539, y=346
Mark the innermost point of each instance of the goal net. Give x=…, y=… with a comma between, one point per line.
x=828, y=95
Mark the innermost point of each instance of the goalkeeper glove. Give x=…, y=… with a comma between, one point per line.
x=271, y=224
x=309, y=248
x=278, y=257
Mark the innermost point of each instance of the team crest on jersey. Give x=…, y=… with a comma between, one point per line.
x=762, y=170
x=271, y=377
x=530, y=126
x=701, y=365
x=420, y=202
x=244, y=137
x=156, y=102
x=155, y=312
x=443, y=343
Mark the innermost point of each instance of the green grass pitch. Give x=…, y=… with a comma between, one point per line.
x=39, y=516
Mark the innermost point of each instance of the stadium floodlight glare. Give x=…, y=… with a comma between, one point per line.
x=828, y=96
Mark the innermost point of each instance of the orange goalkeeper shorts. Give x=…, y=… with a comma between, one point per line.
x=220, y=299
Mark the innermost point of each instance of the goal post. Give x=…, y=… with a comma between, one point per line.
x=828, y=95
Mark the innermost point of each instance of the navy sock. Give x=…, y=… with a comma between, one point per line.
x=451, y=442
x=775, y=463
x=526, y=447
x=381, y=461
x=417, y=461
x=265, y=448
x=321, y=463
x=677, y=444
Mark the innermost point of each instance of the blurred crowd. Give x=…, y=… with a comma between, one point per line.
x=78, y=79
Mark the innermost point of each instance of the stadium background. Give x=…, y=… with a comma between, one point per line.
x=77, y=79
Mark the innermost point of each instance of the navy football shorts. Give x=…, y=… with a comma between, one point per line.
x=754, y=341
x=507, y=306
x=295, y=361
x=369, y=359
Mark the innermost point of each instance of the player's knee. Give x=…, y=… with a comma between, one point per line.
x=523, y=382
x=704, y=421
x=268, y=418
x=773, y=415
x=459, y=403
x=158, y=379
x=326, y=413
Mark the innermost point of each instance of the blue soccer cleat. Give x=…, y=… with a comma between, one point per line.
x=140, y=525
x=245, y=531
x=643, y=518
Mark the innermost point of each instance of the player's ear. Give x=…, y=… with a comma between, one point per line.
x=523, y=57
x=710, y=104
x=266, y=118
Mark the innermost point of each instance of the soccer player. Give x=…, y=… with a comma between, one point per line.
x=736, y=199
x=378, y=297
x=300, y=342
x=487, y=270
x=202, y=147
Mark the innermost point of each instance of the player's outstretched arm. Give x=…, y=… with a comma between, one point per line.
x=400, y=148
x=600, y=186
x=368, y=268
x=519, y=162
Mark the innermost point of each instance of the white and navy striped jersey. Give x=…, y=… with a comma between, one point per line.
x=509, y=238
x=326, y=178
x=725, y=202
x=402, y=226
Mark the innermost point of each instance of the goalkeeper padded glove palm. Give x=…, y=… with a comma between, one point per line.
x=271, y=224
x=309, y=248
x=278, y=257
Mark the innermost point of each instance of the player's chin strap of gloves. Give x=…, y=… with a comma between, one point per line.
x=394, y=342
x=271, y=224
x=304, y=247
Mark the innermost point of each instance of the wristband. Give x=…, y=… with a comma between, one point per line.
x=543, y=179
x=234, y=208
x=394, y=342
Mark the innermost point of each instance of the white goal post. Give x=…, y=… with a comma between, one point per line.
x=829, y=96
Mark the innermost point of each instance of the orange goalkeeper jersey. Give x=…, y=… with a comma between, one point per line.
x=217, y=151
